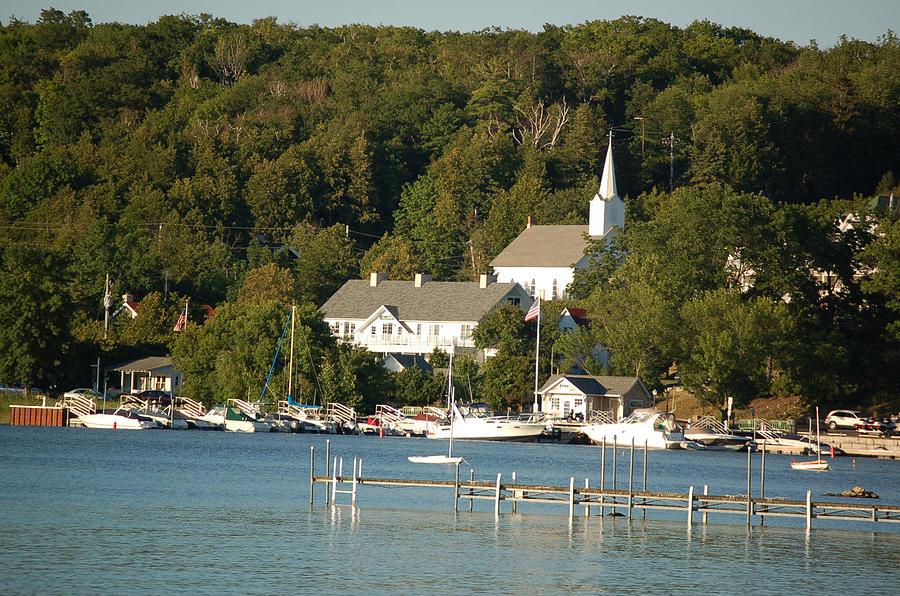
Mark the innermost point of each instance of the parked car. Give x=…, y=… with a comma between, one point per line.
x=85, y=393
x=843, y=419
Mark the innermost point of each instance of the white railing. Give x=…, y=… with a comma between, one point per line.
x=388, y=415
x=191, y=407
x=426, y=342
x=601, y=417
x=78, y=405
x=247, y=408
x=340, y=413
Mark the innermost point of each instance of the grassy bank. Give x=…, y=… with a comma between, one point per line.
x=17, y=399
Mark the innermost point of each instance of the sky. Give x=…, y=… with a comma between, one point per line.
x=800, y=21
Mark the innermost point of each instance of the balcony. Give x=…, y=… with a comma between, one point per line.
x=421, y=344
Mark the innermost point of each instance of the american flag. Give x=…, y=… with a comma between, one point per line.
x=182, y=319
x=534, y=311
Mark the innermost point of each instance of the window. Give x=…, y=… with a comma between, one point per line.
x=434, y=330
x=533, y=289
x=553, y=293
x=373, y=330
x=387, y=329
x=466, y=332
x=418, y=328
x=513, y=301
x=335, y=328
x=554, y=404
x=351, y=328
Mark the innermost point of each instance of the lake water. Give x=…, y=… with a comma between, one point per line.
x=90, y=511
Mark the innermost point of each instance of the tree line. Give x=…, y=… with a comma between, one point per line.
x=186, y=157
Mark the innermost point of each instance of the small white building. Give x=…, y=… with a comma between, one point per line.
x=571, y=395
x=543, y=259
x=154, y=372
x=415, y=317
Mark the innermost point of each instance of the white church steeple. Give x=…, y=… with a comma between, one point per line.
x=607, y=210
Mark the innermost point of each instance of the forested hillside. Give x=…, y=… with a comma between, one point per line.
x=183, y=157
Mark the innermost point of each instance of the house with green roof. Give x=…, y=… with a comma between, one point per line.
x=416, y=316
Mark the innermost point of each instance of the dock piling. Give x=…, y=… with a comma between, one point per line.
x=514, y=492
x=497, y=497
x=690, y=506
x=571, y=497
x=312, y=472
x=456, y=490
x=631, y=478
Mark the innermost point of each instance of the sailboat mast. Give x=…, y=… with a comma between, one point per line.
x=450, y=396
x=291, y=361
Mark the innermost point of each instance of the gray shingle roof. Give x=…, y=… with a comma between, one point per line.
x=434, y=301
x=150, y=363
x=544, y=246
x=595, y=385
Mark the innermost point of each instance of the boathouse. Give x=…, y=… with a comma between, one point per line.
x=570, y=395
x=153, y=372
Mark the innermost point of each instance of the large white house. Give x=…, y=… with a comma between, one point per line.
x=543, y=259
x=417, y=316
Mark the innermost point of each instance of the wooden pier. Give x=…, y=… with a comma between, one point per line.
x=38, y=416
x=604, y=501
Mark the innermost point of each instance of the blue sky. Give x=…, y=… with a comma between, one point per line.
x=788, y=20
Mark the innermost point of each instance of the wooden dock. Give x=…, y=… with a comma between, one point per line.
x=604, y=501
x=38, y=416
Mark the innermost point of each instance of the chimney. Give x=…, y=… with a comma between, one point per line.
x=127, y=297
x=528, y=223
x=375, y=278
x=486, y=280
x=422, y=279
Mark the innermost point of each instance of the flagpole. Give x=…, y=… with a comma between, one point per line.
x=537, y=352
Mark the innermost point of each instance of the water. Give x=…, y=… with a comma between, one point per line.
x=88, y=511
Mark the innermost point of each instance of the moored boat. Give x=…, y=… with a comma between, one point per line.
x=648, y=427
x=120, y=419
x=475, y=422
x=713, y=435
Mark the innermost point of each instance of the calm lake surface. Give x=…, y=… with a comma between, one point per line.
x=90, y=511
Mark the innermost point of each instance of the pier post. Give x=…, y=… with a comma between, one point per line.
x=749, y=496
x=808, y=510
x=471, y=490
x=456, y=490
x=587, y=508
x=690, y=506
x=571, y=497
x=644, y=500
x=631, y=479
x=615, y=463
x=312, y=472
x=602, y=473
x=514, y=493
x=762, y=479
x=356, y=474
x=327, y=465
x=497, y=497
x=705, y=504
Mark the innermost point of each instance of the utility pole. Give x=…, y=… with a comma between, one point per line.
x=641, y=118
x=672, y=162
x=107, y=304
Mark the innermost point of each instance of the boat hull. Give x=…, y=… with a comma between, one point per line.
x=817, y=465
x=115, y=422
x=487, y=430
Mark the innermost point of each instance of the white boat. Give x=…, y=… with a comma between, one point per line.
x=646, y=426
x=713, y=435
x=116, y=420
x=238, y=421
x=818, y=464
x=475, y=422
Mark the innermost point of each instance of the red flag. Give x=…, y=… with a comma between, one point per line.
x=182, y=319
x=534, y=311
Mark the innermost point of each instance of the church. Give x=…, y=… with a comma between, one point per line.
x=543, y=259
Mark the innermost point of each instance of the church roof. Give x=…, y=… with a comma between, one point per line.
x=544, y=246
x=608, y=181
x=435, y=301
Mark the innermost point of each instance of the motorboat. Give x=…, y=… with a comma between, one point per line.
x=648, y=427
x=476, y=422
x=713, y=435
x=236, y=420
x=790, y=442
x=119, y=419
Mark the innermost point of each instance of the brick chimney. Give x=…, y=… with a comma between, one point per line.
x=422, y=279
x=528, y=223
x=486, y=279
x=375, y=278
x=127, y=297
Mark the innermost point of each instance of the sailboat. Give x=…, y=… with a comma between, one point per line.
x=451, y=403
x=817, y=464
